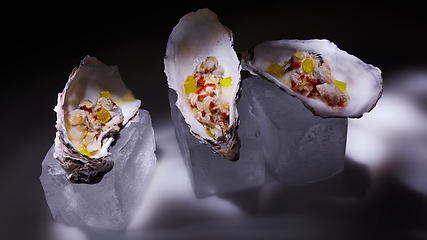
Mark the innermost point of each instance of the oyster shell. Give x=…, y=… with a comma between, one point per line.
x=201, y=47
x=361, y=83
x=84, y=85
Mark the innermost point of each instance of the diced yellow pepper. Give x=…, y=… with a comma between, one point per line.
x=106, y=94
x=190, y=85
x=84, y=151
x=103, y=115
x=275, y=69
x=308, y=65
x=340, y=85
x=208, y=130
x=225, y=82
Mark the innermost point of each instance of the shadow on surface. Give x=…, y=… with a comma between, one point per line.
x=351, y=200
x=275, y=198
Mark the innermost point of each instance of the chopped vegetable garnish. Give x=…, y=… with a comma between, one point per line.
x=225, y=82
x=84, y=151
x=296, y=64
x=87, y=124
x=190, y=85
x=106, y=94
x=207, y=94
x=308, y=65
x=208, y=130
x=276, y=70
x=307, y=73
x=341, y=85
x=103, y=115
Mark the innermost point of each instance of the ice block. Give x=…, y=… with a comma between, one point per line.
x=209, y=172
x=302, y=148
x=108, y=204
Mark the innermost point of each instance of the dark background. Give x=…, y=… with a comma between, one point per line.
x=43, y=42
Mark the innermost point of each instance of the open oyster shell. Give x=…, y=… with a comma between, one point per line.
x=86, y=82
x=364, y=84
x=196, y=37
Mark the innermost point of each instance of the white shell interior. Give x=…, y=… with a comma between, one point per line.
x=364, y=81
x=197, y=36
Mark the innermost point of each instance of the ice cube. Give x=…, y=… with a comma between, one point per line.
x=209, y=172
x=109, y=203
x=302, y=148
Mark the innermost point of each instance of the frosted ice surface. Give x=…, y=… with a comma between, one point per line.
x=110, y=203
x=209, y=172
x=301, y=148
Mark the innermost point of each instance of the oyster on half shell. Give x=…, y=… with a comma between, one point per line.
x=202, y=67
x=93, y=107
x=329, y=81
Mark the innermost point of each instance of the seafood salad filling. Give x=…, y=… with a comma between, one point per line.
x=309, y=74
x=91, y=125
x=208, y=94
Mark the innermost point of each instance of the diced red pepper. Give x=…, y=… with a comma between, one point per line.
x=314, y=82
x=86, y=109
x=212, y=105
x=200, y=90
x=203, y=113
x=201, y=81
x=296, y=64
x=195, y=105
x=224, y=115
x=201, y=97
x=204, y=87
x=206, y=70
x=225, y=123
x=328, y=99
x=211, y=118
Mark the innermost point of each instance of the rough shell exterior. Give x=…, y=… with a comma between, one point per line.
x=197, y=36
x=86, y=82
x=364, y=81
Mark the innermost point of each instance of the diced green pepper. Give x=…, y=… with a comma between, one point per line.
x=208, y=130
x=340, y=85
x=308, y=65
x=103, y=115
x=106, y=94
x=190, y=85
x=84, y=151
x=275, y=69
x=225, y=82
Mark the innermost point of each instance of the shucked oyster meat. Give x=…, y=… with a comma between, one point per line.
x=93, y=107
x=208, y=94
x=309, y=74
x=202, y=67
x=329, y=81
x=91, y=125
